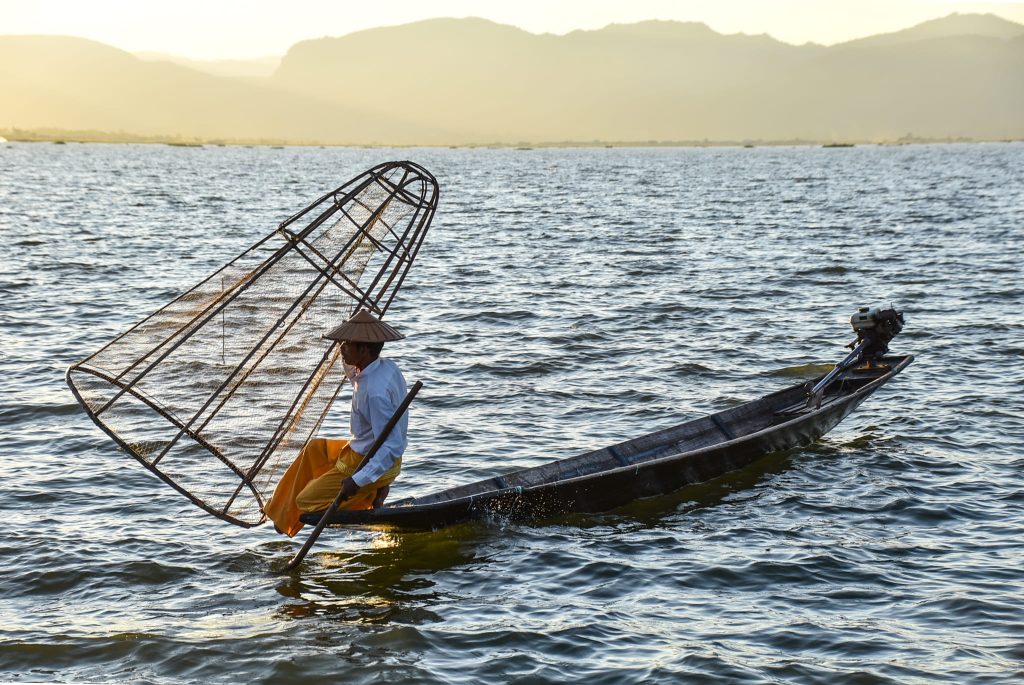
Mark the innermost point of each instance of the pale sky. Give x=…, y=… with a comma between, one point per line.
x=226, y=29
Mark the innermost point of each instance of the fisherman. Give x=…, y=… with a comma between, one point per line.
x=325, y=466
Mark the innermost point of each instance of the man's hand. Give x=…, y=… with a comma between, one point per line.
x=349, y=488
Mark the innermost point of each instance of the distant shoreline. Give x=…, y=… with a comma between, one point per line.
x=71, y=136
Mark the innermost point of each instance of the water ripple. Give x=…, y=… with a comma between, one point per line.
x=615, y=292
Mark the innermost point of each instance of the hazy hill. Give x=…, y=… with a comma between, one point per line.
x=233, y=68
x=960, y=86
x=986, y=25
x=473, y=81
x=492, y=82
x=76, y=84
x=957, y=76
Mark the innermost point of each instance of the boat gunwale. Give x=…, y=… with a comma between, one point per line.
x=865, y=390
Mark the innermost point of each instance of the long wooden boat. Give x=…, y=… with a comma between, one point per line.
x=654, y=464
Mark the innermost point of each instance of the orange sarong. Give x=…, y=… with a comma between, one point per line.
x=313, y=480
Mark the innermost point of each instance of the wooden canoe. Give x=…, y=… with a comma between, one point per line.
x=655, y=464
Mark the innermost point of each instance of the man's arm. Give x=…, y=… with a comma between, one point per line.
x=381, y=408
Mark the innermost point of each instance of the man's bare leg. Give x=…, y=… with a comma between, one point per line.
x=382, y=494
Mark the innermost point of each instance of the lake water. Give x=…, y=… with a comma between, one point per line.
x=564, y=299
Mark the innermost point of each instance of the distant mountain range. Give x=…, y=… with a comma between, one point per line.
x=471, y=81
x=246, y=68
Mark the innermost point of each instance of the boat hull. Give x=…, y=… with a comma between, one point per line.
x=790, y=425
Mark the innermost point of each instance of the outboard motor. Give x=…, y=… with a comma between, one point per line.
x=875, y=328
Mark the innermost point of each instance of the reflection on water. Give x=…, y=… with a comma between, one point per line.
x=388, y=579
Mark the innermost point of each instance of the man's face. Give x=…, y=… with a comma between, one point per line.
x=353, y=354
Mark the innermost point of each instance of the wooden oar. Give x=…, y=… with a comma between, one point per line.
x=301, y=554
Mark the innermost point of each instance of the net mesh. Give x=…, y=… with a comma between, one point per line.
x=217, y=391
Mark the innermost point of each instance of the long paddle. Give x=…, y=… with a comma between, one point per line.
x=301, y=554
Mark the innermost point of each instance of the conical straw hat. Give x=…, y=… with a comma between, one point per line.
x=364, y=327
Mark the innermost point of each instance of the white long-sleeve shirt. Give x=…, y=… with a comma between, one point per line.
x=377, y=391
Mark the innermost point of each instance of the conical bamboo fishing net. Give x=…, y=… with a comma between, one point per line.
x=217, y=391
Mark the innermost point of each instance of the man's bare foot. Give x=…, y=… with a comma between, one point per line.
x=382, y=494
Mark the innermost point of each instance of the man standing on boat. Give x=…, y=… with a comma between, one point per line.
x=325, y=466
